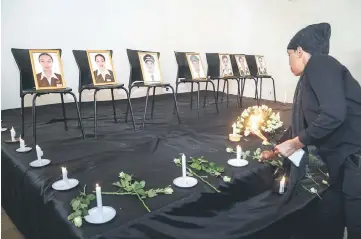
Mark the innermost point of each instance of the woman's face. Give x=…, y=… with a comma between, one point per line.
x=296, y=62
x=100, y=61
x=46, y=62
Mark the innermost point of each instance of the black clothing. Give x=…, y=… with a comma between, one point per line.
x=331, y=105
x=314, y=39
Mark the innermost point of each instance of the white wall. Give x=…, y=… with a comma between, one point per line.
x=234, y=26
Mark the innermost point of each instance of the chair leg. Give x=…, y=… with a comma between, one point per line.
x=217, y=89
x=145, y=108
x=175, y=103
x=129, y=107
x=238, y=93
x=34, y=117
x=256, y=89
x=274, y=89
x=224, y=87
x=113, y=102
x=78, y=113
x=227, y=93
x=260, y=89
x=22, y=116
x=153, y=98
x=176, y=93
x=243, y=82
x=64, y=113
x=205, y=95
x=192, y=96
x=80, y=93
x=215, y=96
x=198, y=106
x=95, y=113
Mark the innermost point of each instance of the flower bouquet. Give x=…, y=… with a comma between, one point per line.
x=269, y=121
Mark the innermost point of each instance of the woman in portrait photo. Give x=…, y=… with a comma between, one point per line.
x=226, y=67
x=243, y=71
x=48, y=78
x=102, y=74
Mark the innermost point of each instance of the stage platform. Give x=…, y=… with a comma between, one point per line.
x=247, y=207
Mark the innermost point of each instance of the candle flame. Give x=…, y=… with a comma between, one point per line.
x=97, y=185
x=255, y=119
x=283, y=180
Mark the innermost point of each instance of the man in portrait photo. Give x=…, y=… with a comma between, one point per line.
x=261, y=67
x=243, y=71
x=151, y=71
x=226, y=67
x=48, y=78
x=102, y=74
x=196, y=67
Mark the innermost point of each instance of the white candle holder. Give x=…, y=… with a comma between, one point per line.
x=185, y=181
x=238, y=162
x=40, y=162
x=23, y=148
x=65, y=183
x=96, y=217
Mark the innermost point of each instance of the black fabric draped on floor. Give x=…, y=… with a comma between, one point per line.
x=247, y=207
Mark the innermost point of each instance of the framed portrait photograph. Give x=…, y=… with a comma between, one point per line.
x=225, y=65
x=101, y=67
x=47, y=69
x=196, y=66
x=242, y=65
x=261, y=65
x=149, y=63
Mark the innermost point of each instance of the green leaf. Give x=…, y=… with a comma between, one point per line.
x=90, y=197
x=71, y=216
x=128, y=177
x=77, y=213
x=142, y=183
x=128, y=188
x=86, y=201
x=85, y=212
x=75, y=205
x=117, y=184
x=196, y=166
x=141, y=192
x=212, y=164
x=83, y=206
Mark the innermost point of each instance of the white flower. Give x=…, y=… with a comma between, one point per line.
x=266, y=143
x=78, y=221
x=229, y=150
x=313, y=190
x=168, y=190
x=122, y=175
x=177, y=161
x=242, y=120
x=325, y=182
x=327, y=175
x=246, y=132
x=226, y=179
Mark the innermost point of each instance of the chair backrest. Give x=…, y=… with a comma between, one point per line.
x=23, y=61
x=183, y=70
x=213, y=65
x=85, y=77
x=252, y=64
x=135, y=67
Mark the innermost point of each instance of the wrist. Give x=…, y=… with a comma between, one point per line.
x=297, y=143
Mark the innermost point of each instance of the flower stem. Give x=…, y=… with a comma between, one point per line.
x=322, y=172
x=142, y=201
x=192, y=172
x=116, y=193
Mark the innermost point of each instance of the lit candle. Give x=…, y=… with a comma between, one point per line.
x=234, y=128
x=239, y=152
x=65, y=174
x=184, y=166
x=22, y=143
x=12, y=134
x=282, y=185
x=98, y=192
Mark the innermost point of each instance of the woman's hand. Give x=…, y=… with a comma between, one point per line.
x=288, y=147
x=267, y=155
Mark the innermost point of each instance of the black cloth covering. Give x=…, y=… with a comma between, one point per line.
x=248, y=207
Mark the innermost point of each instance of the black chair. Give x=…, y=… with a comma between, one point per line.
x=184, y=75
x=214, y=74
x=27, y=86
x=243, y=77
x=251, y=60
x=136, y=80
x=86, y=83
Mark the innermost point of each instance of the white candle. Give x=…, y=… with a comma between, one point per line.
x=12, y=134
x=98, y=192
x=285, y=98
x=234, y=128
x=282, y=185
x=22, y=143
x=65, y=174
x=184, y=166
x=239, y=152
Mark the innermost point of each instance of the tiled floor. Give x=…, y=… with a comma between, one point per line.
x=8, y=230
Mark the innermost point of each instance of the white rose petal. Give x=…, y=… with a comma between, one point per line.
x=313, y=190
x=78, y=221
x=229, y=150
x=122, y=175
x=226, y=179
x=168, y=190
x=325, y=182
x=177, y=161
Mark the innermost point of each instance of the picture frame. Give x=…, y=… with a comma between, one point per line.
x=150, y=66
x=225, y=65
x=261, y=65
x=242, y=65
x=47, y=69
x=101, y=67
x=195, y=65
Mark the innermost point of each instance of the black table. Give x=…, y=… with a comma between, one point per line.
x=246, y=208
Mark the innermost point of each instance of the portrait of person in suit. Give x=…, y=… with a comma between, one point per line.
x=226, y=68
x=242, y=65
x=101, y=66
x=261, y=66
x=150, y=67
x=196, y=66
x=47, y=69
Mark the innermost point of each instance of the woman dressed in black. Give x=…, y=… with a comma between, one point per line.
x=327, y=114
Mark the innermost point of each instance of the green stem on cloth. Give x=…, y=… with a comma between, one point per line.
x=142, y=201
x=116, y=193
x=192, y=172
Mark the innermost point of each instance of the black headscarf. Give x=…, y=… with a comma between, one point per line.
x=314, y=39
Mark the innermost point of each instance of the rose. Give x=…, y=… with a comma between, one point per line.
x=78, y=221
x=177, y=161
x=226, y=179
x=168, y=190
x=229, y=150
x=122, y=175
